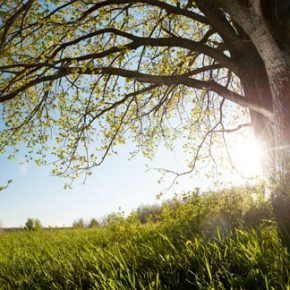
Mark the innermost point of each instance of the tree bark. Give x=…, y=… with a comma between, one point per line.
x=278, y=71
x=281, y=194
x=256, y=86
x=275, y=139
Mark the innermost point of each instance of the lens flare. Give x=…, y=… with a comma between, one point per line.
x=246, y=157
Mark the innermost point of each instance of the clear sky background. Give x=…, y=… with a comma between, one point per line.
x=118, y=183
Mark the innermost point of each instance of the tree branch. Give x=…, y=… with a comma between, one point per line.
x=136, y=43
x=239, y=127
x=12, y=19
x=169, y=8
x=153, y=79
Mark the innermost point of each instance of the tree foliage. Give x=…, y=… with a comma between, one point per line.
x=149, y=213
x=78, y=224
x=92, y=73
x=33, y=224
x=93, y=223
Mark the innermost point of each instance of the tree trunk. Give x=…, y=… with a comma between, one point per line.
x=271, y=87
x=281, y=194
x=275, y=139
x=256, y=88
x=276, y=62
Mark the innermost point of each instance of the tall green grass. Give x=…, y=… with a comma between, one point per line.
x=168, y=254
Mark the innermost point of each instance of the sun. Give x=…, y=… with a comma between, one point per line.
x=246, y=157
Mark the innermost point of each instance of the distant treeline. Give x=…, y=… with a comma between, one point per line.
x=228, y=208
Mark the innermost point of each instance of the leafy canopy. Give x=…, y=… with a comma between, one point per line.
x=91, y=74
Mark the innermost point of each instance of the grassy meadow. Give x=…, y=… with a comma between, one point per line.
x=224, y=240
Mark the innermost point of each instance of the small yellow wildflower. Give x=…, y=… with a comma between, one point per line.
x=188, y=243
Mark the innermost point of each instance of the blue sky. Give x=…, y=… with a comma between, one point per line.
x=117, y=183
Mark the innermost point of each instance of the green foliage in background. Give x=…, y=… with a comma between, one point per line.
x=33, y=224
x=93, y=223
x=79, y=224
x=210, y=241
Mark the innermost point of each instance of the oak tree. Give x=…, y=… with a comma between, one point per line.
x=97, y=71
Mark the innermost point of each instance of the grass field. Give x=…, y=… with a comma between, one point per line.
x=180, y=251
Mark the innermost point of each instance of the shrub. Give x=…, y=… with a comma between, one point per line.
x=33, y=224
